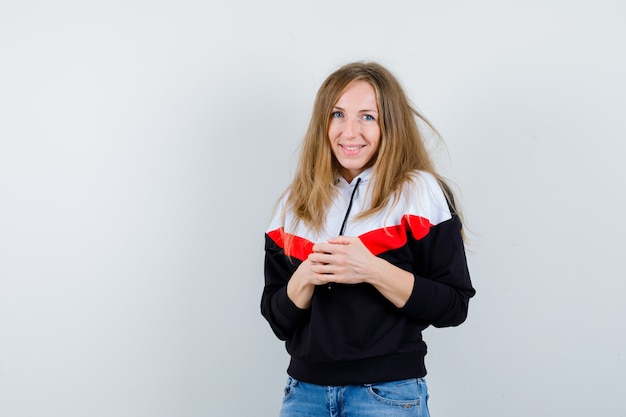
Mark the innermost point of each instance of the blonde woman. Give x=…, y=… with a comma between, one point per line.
x=365, y=251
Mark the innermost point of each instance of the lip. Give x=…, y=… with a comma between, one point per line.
x=351, y=149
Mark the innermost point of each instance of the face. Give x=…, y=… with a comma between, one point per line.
x=354, y=132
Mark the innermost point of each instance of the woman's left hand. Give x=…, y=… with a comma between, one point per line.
x=346, y=260
x=343, y=260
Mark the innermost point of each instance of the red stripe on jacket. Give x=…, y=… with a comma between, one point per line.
x=377, y=241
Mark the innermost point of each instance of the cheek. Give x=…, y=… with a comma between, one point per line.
x=333, y=131
x=374, y=136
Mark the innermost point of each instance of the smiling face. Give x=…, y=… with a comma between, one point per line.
x=354, y=132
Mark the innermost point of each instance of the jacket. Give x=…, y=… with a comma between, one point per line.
x=351, y=334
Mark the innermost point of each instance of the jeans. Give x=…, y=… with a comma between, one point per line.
x=407, y=398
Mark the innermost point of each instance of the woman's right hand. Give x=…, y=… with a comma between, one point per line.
x=301, y=285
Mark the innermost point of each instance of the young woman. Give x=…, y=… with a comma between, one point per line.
x=364, y=252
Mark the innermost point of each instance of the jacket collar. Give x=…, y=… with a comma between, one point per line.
x=365, y=176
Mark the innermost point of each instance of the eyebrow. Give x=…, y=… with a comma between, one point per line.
x=360, y=111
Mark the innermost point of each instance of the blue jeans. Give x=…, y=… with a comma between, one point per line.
x=407, y=398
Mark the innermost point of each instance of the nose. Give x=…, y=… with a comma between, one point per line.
x=351, y=129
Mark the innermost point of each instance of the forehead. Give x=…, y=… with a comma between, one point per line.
x=358, y=92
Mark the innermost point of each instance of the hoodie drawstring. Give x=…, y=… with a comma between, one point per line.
x=345, y=219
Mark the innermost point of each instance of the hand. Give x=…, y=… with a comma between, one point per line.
x=343, y=260
x=347, y=260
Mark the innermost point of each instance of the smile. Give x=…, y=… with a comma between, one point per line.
x=352, y=148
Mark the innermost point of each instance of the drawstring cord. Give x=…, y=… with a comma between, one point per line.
x=345, y=219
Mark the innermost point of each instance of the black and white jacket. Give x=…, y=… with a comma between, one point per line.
x=351, y=334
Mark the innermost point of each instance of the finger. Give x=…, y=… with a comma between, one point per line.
x=321, y=268
x=322, y=248
x=341, y=240
x=324, y=269
x=321, y=279
x=320, y=258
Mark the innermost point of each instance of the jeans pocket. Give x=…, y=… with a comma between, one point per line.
x=292, y=383
x=404, y=393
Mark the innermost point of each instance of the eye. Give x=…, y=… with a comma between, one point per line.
x=336, y=115
x=368, y=118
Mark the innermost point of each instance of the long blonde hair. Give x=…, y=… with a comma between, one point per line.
x=402, y=148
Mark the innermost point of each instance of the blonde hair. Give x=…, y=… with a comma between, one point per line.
x=402, y=149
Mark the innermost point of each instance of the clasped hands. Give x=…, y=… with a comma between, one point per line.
x=342, y=260
x=346, y=260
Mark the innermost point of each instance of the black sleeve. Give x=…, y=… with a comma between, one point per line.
x=282, y=314
x=442, y=287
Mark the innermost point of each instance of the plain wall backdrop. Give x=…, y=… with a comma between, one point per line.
x=144, y=143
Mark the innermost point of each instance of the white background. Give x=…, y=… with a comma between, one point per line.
x=143, y=144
